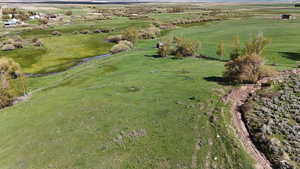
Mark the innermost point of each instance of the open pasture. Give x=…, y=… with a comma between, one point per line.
x=134, y=110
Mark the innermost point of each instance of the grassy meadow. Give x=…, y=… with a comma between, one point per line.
x=132, y=110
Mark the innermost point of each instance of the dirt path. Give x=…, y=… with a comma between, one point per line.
x=237, y=97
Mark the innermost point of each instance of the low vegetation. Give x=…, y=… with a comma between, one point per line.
x=273, y=120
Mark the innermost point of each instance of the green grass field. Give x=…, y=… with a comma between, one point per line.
x=95, y=102
x=132, y=110
x=282, y=51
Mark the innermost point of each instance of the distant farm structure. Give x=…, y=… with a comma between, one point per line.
x=287, y=17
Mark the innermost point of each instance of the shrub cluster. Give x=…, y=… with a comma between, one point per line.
x=43, y=21
x=85, y=31
x=56, y=33
x=6, y=98
x=114, y=38
x=97, y=31
x=175, y=10
x=246, y=69
x=186, y=47
x=164, y=26
x=121, y=47
x=131, y=34
x=180, y=47
x=164, y=49
x=149, y=33
x=12, y=43
x=36, y=42
x=195, y=20
x=21, y=14
x=68, y=13
x=255, y=46
x=8, y=47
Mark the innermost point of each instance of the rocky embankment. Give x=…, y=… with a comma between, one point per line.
x=272, y=117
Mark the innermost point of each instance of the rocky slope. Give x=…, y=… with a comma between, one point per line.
x=272, y=116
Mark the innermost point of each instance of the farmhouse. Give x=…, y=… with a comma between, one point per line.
x=287, y=16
